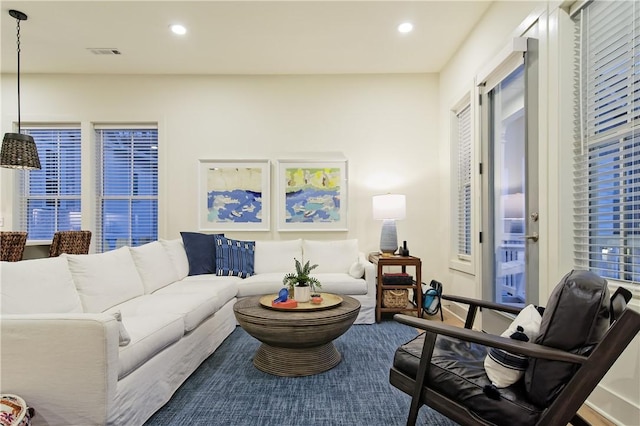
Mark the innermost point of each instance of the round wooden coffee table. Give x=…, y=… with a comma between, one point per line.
x=295, y=343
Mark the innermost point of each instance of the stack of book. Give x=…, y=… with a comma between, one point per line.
x=397, y=278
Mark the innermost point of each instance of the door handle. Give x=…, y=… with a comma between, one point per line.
x=533, y=237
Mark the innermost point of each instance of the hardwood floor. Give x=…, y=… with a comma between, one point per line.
x=585, y=411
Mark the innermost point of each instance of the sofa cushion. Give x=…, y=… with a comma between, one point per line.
x=175, y=250
x=223, y=290
x=106, y=279
x=331, y=256
x=341, y=284
x=575, y=319
x=38, y=286
x=261, y=284
x=201, y=252
x=211, y=278
x=277, y=256
x=154, y=266
x=234, y=258
x=192, y=307
x=268, y=283
x=149, y=334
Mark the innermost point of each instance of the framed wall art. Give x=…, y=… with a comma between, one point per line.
x=233, y=195
x=312, y=195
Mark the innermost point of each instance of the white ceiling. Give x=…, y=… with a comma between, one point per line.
x=236, y=37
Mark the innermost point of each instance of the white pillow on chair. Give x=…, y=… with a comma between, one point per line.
x=505, y=368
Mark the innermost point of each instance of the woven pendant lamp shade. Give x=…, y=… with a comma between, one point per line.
x=19, y=152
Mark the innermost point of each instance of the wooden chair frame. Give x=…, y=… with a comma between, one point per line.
x=564, y=408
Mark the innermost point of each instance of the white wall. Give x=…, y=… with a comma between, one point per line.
x=618, y=395
x=385, y=125
x=499, y=24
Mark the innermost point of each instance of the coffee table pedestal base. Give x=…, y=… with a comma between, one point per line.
x=290, y=362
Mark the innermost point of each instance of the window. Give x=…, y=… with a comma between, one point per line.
x=127, y=187
x=463, y=136
x=607, y=143
x=49, y=199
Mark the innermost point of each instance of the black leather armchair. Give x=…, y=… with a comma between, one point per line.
x=582, y=334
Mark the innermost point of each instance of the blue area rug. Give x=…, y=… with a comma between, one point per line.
x=228, y=390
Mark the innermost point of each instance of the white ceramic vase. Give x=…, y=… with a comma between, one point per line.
x=302, y=294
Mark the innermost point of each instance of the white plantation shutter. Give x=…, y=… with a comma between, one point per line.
x=49, y=199
x=607, y=143
x=463, y=121
x=127, y=187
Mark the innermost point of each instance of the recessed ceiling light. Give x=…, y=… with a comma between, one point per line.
x=178, y=29
x=405, y=27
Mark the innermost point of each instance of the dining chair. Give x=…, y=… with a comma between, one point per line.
x=70, y=242
x=12, y=245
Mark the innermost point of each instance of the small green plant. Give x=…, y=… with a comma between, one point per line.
x=301, y=276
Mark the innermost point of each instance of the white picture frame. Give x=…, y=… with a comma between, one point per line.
x=312, y=195
x=234, y=195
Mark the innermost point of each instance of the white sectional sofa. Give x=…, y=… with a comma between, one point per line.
x=64, y=352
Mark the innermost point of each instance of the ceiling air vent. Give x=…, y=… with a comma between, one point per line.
x=103, y=51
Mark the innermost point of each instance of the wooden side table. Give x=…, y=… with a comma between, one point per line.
x=403, y=262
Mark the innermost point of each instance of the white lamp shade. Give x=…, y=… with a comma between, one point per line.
x=389, y=206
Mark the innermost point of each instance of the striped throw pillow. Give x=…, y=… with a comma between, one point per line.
x=234, y=258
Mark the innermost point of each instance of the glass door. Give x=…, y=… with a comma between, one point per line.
x=508, y=165
x=510, y=215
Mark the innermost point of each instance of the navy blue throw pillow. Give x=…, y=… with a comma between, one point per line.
x=201, y=252
x=234, y=258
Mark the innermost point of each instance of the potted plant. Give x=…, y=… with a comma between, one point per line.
x=300, y=283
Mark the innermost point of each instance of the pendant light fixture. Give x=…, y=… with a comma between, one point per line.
x=19, y=151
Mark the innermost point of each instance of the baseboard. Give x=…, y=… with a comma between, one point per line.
x=456, y=310
x=615, y=397
x=606, y=402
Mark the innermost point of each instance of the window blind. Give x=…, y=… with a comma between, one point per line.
x=49, y=198
x=607, y=143
x=463, y=119
x=127, y=187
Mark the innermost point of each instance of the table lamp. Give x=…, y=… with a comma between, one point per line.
x=389, y=208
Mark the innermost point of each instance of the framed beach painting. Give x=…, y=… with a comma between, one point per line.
x=234, y=195
x=312, y=195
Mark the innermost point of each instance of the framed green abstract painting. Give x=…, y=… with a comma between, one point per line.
x=312, y=195
x=233, y=195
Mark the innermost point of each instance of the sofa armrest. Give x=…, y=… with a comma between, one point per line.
x=65, y=366
x=369, y=275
